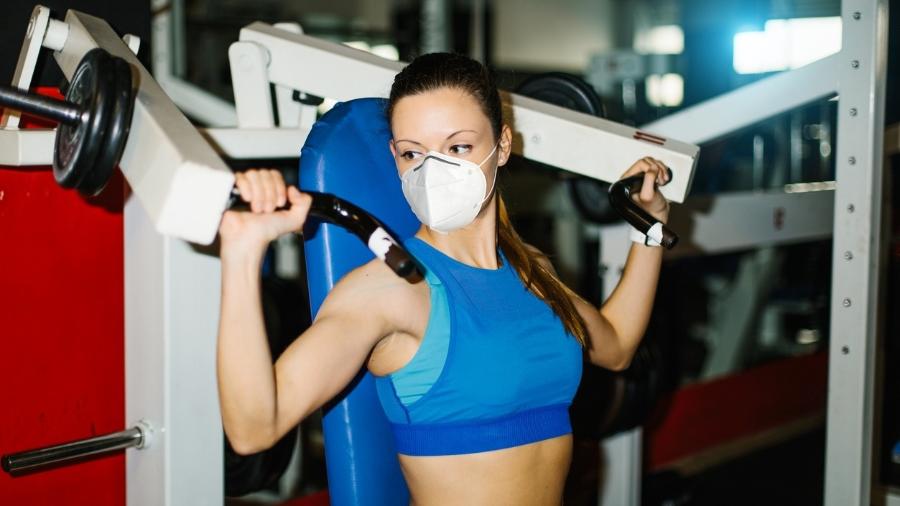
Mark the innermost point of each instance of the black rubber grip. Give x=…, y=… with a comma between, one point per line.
x=620, y=198
x=338, y=211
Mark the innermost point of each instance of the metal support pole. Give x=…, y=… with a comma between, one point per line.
x=857, y=257
x=435, y=26
x=476, y=40
x=34, y=460
x=620, y=483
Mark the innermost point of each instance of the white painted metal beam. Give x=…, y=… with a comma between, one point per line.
x=857, y=259
x=726, y=222
x=175, y=174
x=546, y=133
x=26, y=147
x=261, y=143
x=732, y=111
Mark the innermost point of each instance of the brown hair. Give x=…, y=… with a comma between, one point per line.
x=445, y=70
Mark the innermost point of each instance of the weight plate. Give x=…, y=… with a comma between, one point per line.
x=77, y=146
x=565, y=90
x=591, y=198
x=572, y=92
x=116, y=134
x=250, y=473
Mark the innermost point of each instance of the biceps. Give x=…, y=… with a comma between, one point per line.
x=318, y=365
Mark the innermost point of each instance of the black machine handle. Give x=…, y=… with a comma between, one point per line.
x=620, y=198
x=370, y=231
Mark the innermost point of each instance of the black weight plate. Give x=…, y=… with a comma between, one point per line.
x=591, y=198
x=77, y=146
x=572, y=92
x=564, y=90
x=250, y=473
x=283, y=322
x=116, y=134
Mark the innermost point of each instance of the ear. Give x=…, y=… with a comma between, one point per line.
x=393, y=149
x=505, y=148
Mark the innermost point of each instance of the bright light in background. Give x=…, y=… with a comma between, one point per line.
x=666, y=39
x=786, y=44
x=359, y=44
x=665, y=90
x=387, y=51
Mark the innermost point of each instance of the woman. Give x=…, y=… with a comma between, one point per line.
x=476, y=366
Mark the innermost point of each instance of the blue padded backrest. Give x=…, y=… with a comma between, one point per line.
x=347, y=154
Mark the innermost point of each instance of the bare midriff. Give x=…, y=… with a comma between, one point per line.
x=528, y=475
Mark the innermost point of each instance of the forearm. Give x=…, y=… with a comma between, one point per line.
x=629, y=306
x=246, y=376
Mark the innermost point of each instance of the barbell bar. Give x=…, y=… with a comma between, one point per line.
x=35, y=460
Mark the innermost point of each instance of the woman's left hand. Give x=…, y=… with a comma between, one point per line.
x=649, y=198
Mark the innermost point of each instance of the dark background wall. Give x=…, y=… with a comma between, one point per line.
x=125, y=16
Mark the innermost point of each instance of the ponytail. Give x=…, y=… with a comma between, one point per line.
x=538, y=279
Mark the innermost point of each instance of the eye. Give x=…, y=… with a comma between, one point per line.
x=410, y=155
x=460, y=149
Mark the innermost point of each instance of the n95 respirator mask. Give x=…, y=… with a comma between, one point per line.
x=446, y=193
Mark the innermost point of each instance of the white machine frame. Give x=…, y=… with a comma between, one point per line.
x=170, y=315
x=854, y=210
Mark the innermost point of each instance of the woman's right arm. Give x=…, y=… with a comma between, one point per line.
x=259, y=402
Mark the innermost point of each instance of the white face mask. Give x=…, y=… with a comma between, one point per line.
x=446, y=193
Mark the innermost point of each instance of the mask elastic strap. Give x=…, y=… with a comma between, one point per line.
x=496, y=170
x=489, y=154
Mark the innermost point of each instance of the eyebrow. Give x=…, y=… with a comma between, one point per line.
x=448, y=137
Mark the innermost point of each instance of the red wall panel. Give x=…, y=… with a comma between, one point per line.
x=61, y=333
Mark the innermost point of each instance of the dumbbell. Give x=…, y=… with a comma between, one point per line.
x=94, y=120
x=383, y=243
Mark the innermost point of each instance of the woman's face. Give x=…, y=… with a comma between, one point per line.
x=446, y=120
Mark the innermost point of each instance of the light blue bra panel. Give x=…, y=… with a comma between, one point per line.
x=415, y=378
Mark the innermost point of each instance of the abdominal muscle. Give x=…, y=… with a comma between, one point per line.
x=527, y=475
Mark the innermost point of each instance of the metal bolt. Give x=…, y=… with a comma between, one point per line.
x=852, y=160
x=851, y=208
x=846, y=302
x=853, y=111
x=845, y=350
x=854, y=64
x=857, y=15
x=848, y=255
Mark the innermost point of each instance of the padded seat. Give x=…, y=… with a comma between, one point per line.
x=347, y=154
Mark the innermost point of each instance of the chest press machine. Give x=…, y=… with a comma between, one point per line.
x=180, y=188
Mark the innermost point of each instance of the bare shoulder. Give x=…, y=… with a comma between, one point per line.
x=372, y=290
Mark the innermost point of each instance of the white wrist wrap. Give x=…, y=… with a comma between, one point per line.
x=652, y=238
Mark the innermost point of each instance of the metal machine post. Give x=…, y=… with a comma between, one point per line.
x=858, y=253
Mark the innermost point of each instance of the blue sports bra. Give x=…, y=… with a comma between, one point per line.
x=495, y=368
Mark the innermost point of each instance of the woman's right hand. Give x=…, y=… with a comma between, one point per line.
x=264, y=190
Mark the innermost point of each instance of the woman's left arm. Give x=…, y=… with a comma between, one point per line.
x=615, y=329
